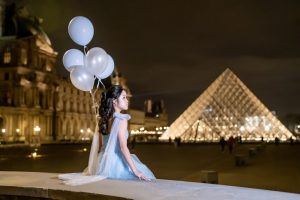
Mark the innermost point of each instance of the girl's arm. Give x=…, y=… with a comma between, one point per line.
x=125, y=150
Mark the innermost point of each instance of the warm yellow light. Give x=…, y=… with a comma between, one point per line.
x=18, y=130
x=3, y=130
x=37, y=128
x=84, y=149
x=81, y=130
x=88, y=130
x=242, y=128
x=34, y=154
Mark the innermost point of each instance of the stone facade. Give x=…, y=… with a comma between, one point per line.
x=34, y=100
x=37, y=105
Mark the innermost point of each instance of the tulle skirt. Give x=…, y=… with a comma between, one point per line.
x=119, y=168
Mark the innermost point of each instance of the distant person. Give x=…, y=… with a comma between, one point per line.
x=240, y=139
x=291, y=140
x=230, y=144
x=222, y=143
x=114, y=160
x=177, y=141
x=276, y=141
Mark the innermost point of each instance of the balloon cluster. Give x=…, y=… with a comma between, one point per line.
x=85, y=67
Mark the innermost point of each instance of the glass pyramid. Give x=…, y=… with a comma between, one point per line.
x=227, y=108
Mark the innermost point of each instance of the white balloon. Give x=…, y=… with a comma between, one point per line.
x=82, y=79
x=81, y=30
x=96, y=60
x=109, y=68
x=73, y=57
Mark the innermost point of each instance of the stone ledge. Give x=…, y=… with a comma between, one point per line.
x=11, y=192
x=36, y=185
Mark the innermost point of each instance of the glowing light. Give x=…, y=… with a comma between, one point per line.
x=18, y=130
x=242, y=128
x=3, y=130
x=81, y=130
x=84, y=149
x=37, y=129
x=88, y=130
x=34, y=155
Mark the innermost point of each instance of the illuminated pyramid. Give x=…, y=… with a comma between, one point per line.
x=227, y=108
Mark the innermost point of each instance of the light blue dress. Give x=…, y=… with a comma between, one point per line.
x=112, y=163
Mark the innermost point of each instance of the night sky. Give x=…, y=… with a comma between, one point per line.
x=175, y=49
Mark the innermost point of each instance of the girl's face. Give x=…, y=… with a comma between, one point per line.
x=122, y=101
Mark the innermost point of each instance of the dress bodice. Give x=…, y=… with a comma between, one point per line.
x=121, y=116
x=116, y=116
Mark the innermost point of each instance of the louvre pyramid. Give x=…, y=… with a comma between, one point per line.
x=227, y=108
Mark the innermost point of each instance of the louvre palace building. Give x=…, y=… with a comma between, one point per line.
x=37, y=105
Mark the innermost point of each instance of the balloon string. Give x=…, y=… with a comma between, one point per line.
x=95, y=106
x=98, y=83
x=85, y=48
x=101, y=83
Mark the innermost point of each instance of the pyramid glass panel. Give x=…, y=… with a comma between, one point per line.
x=227, y=108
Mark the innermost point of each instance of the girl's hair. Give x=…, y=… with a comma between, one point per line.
x=106, y=109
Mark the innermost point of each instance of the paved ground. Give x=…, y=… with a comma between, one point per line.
x=46, y=185
x=274, y=168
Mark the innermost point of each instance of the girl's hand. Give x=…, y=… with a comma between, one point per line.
x=141, y=176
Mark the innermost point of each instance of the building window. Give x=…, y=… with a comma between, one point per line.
x=48, y=66
x=7, y=57
x=41, y=99
x=24, y=56
x=1, y=123
x=6, y=76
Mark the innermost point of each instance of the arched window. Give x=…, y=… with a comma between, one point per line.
x=23, y=57
x=1, y=123
x=41, y=99
x=7, y=57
